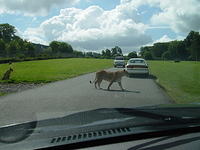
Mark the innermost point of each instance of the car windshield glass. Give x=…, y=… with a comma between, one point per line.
x=136, y=61
x=67, y=57
x=119, y=58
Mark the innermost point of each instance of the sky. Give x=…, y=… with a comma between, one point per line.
x=94, y=25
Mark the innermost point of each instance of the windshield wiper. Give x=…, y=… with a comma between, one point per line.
x=156, y=116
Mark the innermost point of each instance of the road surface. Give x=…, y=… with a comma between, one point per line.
x=77, y=94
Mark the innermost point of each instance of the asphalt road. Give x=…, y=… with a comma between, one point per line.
x=77, y=94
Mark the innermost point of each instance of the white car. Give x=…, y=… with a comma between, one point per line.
x=119, y=61
x=137, y=66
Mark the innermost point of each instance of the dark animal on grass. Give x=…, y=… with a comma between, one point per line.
x=110, y=77
x=10, y=63
x=7, y=74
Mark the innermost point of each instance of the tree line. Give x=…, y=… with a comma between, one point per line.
x=187, y=49
x=14, y=47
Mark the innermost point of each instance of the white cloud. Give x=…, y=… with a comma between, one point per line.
x=164, y=38
x=32, y=7
x=180, y=15
x=94, y=28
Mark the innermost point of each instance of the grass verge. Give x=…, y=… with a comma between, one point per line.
x=1, y=94
x=180, y=80
x=53, y=70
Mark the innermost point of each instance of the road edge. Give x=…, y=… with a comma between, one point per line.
x=171, y=99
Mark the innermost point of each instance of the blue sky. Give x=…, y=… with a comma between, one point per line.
x=93, y=25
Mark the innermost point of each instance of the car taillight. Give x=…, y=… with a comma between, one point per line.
x=129, y=66
x=143, y=66
x=136, y=66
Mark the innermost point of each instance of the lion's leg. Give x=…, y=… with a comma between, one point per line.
x=99, y=84
x=110, y=85
x=95, y=83
x=120, y=84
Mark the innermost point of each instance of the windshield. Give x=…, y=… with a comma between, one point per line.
x=136, y=61
x=58, y=58
x=119, y=58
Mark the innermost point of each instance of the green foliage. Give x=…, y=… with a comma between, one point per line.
x=13, y=48
x=147, y=55
x=54, y=46
x=144, y=50
x=116, y=51
x=177, y=50
x=166, y=56
x=188, y=49
x=7, y=32
x=29, y=49
x=2, y=48
x=159, y=49
x=92, y=55
x=108, y=53
x=132, y=54
x=78, y=53
x=194, y=46
x=60, y=47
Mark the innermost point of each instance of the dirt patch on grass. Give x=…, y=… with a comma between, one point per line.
x=17, y=87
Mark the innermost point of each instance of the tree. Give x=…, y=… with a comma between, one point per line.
x=7, y=32
x=61, y=47
x=166, y=55
x=195, y=48
x=116, y=51
x=96, y=55
x=177, y=50
x=21, y=46
x=54, y=46
x=188, y=40
x=158, y=49
x=13, y=48
x=147, y=55
x=132, y=55
x=103, y=53
x=2, y=48
x=145, y=49
x=30, y=50
x=108, y=53
x=78, y=54
x=188, y=48
x=65, y=47
x=47, y=52
x=89, y=54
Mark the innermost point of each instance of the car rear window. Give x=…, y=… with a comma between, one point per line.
x=119, y=58
x=136, y=61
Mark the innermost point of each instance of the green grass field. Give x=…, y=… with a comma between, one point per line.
x=53, y=70
x=181, y=80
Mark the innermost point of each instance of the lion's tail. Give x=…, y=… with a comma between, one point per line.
x=91, y=82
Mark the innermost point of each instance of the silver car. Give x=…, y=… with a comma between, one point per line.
x=137, y=66
x=119, y=61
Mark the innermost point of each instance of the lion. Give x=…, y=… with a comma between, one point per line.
x=7, y=74
x=110, y=77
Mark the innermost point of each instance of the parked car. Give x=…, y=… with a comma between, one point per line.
x=137, y=66
x=119, y=61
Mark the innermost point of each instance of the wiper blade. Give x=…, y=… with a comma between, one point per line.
x=156, y=116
